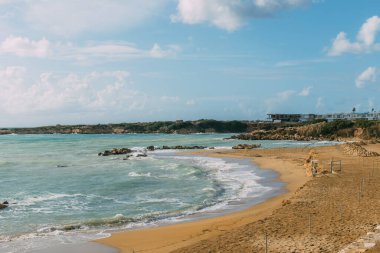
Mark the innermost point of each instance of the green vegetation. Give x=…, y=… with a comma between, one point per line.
x=318, y=129
x=316, y=121
x=179, y=126
x=364, y=123
x=223, y=126
x=333, y=127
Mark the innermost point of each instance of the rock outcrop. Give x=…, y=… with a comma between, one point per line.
x=123, y=151
x=246, y=146
x=4, y=205
x=300, y=133
x=150, y=148
x=116, y=151
x=4, y=131
x=356, y=149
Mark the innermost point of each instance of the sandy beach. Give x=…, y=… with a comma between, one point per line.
x=320, y=214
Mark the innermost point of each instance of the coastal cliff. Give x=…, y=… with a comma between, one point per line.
x=169, y=127
x=249, y=130
x=337, y=130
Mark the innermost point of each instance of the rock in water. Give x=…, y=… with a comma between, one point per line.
x=246, y=146
x=70, y=227
x=115, y=151
x=2, y=206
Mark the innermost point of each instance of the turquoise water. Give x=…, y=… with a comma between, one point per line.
x=59, y=188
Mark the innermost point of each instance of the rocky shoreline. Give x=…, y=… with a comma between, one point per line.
x=275, y=136
x=322, y=131
x=167, y=127
x=248, y=130
x=126, y=151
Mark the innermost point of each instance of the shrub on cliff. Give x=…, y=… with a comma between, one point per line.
x=223, y=126
x=364, y=123
x=332, y=128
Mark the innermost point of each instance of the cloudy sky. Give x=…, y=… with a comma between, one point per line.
x=103, y=61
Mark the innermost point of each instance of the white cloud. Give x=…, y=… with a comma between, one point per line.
x=275, y=102
x=72, y=17
x=93, y=92
x=368, y=75
x=158, y=52
x=280, y=98
x=25, y=47
x=371, y=104
x=368, y=31
x=305, y=92
x=5, y=2
x=293, y=63
x=110, y=49
x=365, y=40
x=114, y=51
x=320, y=103
x=229, y=15
x=285, y=95
x=22, y=46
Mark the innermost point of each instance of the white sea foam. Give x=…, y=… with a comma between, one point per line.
x=41, y=240
x=208, y=189
x=159, y=200
x=43, y=198
x=136, y=174
x=238, y=180
x=223, y=147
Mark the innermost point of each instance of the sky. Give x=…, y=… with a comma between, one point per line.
x=112, y=61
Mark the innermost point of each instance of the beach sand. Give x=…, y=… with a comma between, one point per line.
x=321, y=214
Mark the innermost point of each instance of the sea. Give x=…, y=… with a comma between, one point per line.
x=61, y=192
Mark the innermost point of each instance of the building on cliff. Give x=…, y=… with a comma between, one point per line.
x=276, y=117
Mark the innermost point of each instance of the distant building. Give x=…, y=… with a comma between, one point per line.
x=329, y=117
x=285, y=117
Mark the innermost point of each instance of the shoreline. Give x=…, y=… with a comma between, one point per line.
x=171, y=237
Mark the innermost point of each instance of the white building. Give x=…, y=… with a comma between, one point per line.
x=329, y=117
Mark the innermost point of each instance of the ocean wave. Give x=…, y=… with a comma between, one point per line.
x=170, y=166
x=208, y=189
x=47, y=238
x=223, y=147
x=159, y=200
x=5, y=163
x=136, y=174
x=238, y=180
x=51, y=203
x=12, y=134
x=43, y=198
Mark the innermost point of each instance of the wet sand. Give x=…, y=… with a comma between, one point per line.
x=321, y=214
x=90, y=247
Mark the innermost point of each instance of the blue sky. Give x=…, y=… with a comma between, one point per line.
x=103, y=61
